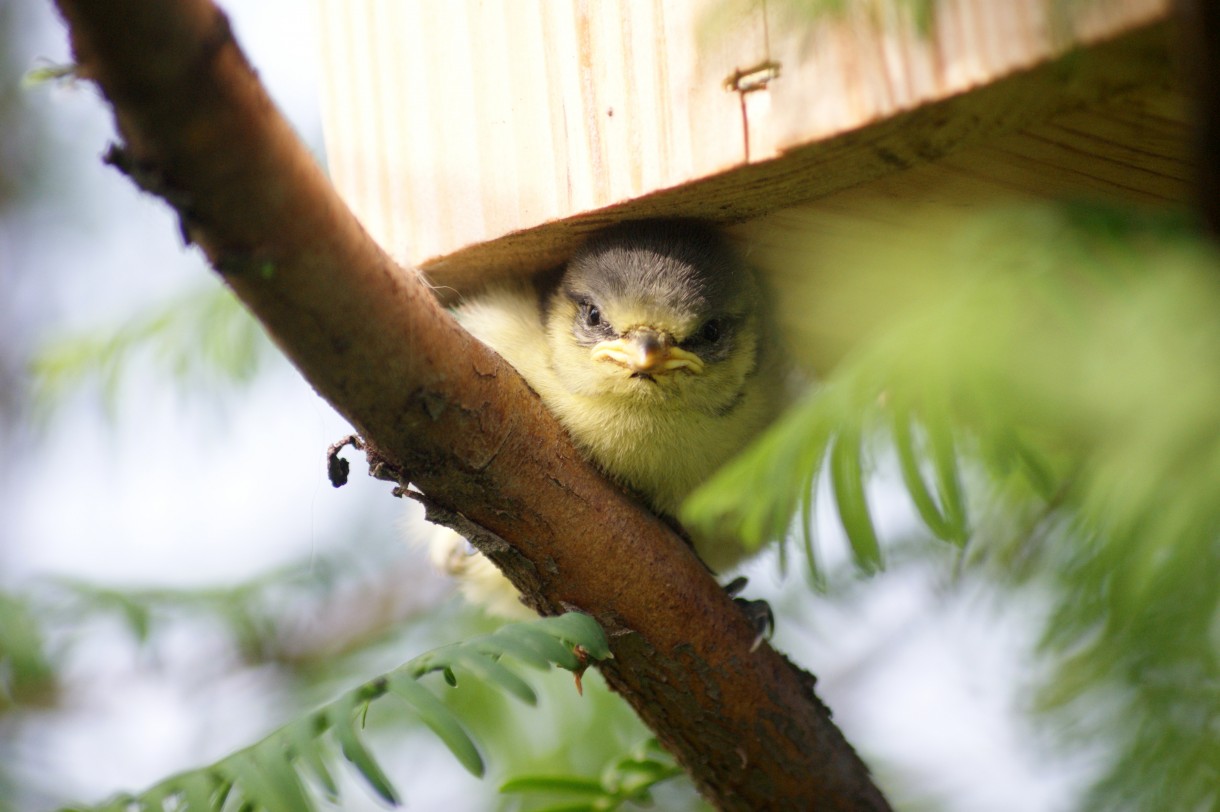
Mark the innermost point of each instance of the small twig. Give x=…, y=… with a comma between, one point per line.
x=338, y=468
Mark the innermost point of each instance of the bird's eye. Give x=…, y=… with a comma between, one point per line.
x=593, y=316
x=711, y=331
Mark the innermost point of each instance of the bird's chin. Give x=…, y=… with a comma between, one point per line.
x=638, y=387
x=645, y=388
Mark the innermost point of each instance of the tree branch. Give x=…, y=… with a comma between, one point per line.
x=448, y=415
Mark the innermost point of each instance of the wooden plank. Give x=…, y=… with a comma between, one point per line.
x=997, y=142
x=487, y=136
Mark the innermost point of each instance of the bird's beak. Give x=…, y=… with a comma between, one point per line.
x=647, y=351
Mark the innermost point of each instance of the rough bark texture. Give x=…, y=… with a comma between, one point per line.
x=447, y=415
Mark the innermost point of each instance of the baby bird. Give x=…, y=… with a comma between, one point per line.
x=655, y=351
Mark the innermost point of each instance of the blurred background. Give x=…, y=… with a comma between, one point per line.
x=178, y=577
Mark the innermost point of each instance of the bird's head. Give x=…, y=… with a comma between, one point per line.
x=657, y=311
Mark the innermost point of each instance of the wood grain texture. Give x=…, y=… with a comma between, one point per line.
x=485, y=138
x=1107, y=122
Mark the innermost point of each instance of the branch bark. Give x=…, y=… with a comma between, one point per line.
x=447, y=415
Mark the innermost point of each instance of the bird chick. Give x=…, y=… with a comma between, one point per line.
x=655, y=352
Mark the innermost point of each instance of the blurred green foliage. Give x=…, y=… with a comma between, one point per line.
x=200, y=340
x=302, y=620
x=40, y=624
x=27, y=670
x=629, y=779
x=286, y=770
x=1069, y=357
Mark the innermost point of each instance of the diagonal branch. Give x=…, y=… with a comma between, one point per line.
x=447, y=415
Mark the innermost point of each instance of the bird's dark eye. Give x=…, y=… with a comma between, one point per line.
x=593, y=316
x=711, y=331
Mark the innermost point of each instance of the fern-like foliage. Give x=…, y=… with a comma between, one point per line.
x=258, y=615
x=1070, y=357
x=284, y=771
x=629, y=779
x=201, y=335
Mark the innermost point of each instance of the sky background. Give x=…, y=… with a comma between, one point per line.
x=197, y=485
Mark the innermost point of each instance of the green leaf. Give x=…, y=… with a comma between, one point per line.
x=198, y=789
x=785, y=454
x=303, y=739
x=267, y=778
x=433, y=713
x=489, y=670
x=949, y=524
x=275, y=763
x=566, y=784
x=224, y=790
x=543, y=643
x=251, y=783
x=912, y=477
x=1036, y=469
x=633, y=777
x=509, y=645
x=808, y=523
x=847, y=481
x=578, y=629
x=279, y=786
x=342, y=721
x=948, y=481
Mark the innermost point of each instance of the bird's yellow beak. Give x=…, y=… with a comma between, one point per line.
x=647, y=351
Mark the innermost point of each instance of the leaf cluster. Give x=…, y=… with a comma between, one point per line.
x=628, y=779
x=1069, y=356
x=261, y=618
x=287, y=769
x=199, y=336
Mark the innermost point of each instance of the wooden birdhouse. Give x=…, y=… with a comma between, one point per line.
x=484, y=138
